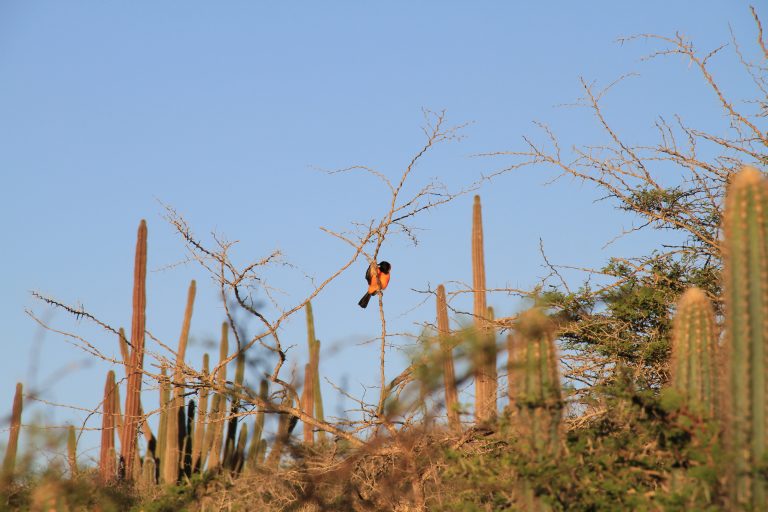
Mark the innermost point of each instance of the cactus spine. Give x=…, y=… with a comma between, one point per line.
x=133, y=390
x=175, y=427
x=449, y=372
x=694, y=345
x=485, y=367
x=9, y=461
x=746, y=300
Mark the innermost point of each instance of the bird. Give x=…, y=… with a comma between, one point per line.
x=374, y=285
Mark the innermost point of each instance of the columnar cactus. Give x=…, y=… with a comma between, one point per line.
x=162, y=429
x=230, y=442
x=107, y=456
x=313, y=345
x=745, y=225
x=535, y=384
x=176, y=432
x=694, y=345
x=215, y=429
x=485, y=368
x=72, y=451
x=308, y=401
x=449, y=372
x=200, y=426
x=136, y=365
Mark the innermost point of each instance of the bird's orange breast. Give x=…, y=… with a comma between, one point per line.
x=374, y=286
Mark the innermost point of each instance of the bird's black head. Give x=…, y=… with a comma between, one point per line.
x=385, y=267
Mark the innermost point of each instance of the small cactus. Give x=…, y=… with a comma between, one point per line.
x=240, y=454
x=255, y=451
x=230, y=443
x=314, y=359
x=449, y=372
x=282, y=437
x=308, y=401
x=72, y=451
x=9, y=461
x=162, y=429
x=219, y=405
x=107, y=455
x=200, y=427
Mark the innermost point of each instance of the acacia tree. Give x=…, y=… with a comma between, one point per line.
x=675, y=185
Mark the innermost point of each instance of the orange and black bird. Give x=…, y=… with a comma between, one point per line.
x=373, y=284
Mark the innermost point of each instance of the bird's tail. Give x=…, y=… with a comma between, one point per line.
x=364, y=301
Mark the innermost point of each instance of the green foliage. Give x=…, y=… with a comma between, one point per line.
x=630, y=323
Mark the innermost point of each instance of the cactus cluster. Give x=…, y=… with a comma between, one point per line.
x=738, y=400
x=191, y=438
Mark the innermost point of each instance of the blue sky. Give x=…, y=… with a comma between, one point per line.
x=228, y=112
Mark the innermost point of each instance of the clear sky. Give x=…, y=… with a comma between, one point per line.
x=228, y=111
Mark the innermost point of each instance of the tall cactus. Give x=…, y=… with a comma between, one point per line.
x=107, y=455
x=535, y=384
x=9, y=461
x=133, y=390
x=746, y=301
x=485, y=367
x=313, y=345
x=694, y=345
x=449, y=372
x=175, y=433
